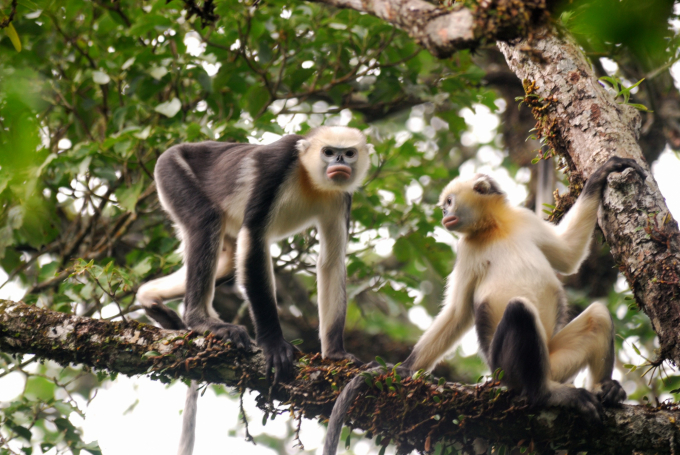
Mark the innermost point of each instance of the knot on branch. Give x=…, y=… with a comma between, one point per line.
x=505, y=20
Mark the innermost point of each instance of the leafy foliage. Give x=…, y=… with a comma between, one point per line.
x=100, y=89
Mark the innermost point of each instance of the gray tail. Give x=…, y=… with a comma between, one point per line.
x=186, y=440
x=342, y=405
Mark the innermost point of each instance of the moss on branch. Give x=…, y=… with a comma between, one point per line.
x=413, y=413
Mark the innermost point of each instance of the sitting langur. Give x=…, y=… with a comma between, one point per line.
x=504, y=283
x=224, y=197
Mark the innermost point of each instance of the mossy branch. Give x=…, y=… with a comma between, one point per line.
x=413, y=413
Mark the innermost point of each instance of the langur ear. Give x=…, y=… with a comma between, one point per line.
x=482, y=186
x=302, y=145
x=486, y=185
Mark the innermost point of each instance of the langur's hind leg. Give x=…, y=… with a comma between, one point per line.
x=153, y=293
x=519, y=348
x=588, y=340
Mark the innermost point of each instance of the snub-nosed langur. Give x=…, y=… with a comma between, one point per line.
x=226, y=198
x=504, y=283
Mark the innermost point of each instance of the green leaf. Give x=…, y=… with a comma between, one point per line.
x=613, y=81
x=92, y=447
x=256, y=98
x=48, y=271
x=20, y=431
x=148, y=354
x=380, y=361
x=636, y=349
x=640, y=107
x=28, y=4
x=39, y=388
x=13, y=36
x=379, y=385
x=128, y=196
x=143, y=267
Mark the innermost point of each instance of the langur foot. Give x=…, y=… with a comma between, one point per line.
x=610, y=392
x=597, y=180
x=228, y=332
x=344, y=355
x=581, y=400
x=164, y=316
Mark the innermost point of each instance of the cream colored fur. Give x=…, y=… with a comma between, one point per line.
x=517, y=258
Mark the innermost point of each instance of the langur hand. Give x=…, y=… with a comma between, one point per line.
x=280, y=356
x=598, y=179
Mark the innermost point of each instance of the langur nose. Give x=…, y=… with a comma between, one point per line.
x=450, y=222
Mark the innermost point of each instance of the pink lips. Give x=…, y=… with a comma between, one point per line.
x=450, y=222
x=344, y=172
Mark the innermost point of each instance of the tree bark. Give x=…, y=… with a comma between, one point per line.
x=417, y=414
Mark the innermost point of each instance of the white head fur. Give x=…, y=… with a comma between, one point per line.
x=336, y=136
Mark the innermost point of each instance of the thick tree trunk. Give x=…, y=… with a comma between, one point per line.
x=415, y=415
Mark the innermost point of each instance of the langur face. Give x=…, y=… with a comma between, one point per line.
x=336, y=158
x=465, y=203
x=457, y=216
x=340, y=163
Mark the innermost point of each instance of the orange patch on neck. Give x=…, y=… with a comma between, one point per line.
x=307, y=187
x=496, y=224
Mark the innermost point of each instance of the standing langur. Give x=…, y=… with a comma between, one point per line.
x=504, y=283
x=226, y=197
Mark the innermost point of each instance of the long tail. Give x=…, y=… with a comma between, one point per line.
x=186, y=440
x=340, y=409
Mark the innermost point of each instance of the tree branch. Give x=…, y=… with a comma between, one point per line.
x=417, y=414
x=443, y=31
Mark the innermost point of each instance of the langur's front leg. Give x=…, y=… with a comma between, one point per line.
x=331, y=289
x=588, y=340
x=452, y=321
x=256, y=275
